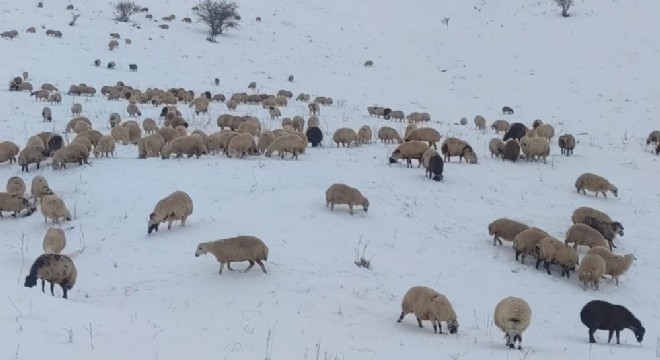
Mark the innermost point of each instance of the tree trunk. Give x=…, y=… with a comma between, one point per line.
x=564, y=11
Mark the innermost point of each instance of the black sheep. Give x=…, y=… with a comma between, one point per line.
x=516, y=131
x=511, y=151
x=55, y=142
x=163, y=111
x=314, y=136
x=507, y=110
x=208, y=95
x=657, y=149
x=436, y=165
x=386, y=113
x=132, y=67
x=601, y=315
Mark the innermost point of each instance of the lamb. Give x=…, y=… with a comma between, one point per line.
x=76, y=109
x=105, y=147
x=289, y=143
x=345, y=136
x=46, y=114
x=457, y=147
x=133, y=110
x=53, y=207
x=513, y=316
x=39, y=188
x=552, y=251
x=30, y=155
x=134, y=131
x=595, y=183
x=516, y=131
x=480, y=122
x=364, y=135
x=40, y=94
x=15, y=204
x=592, y=268
x=545, y=131
x=615, y=265
x=435, y=168
x=427, y=304
x=409, y=150
x=189, y=145
x=539, y=147
x=175, y=206
x=8, y=151
x=506, y=229
x=343, y=194
x=496, y=147
x=525, y=242
x=431, y=135
x=653, y=138
x=388, y=135
x=54, y=241
x=16, y=186
x=566, y=144
x=581, y=234
x=315, y=136
x=500, y=125
x=72, y=153
x=241, y=145
x=149, y=125
x=602, y=315
x=241, y=248
x=54, y=268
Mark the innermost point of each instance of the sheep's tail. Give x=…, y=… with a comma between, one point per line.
x=266, y=254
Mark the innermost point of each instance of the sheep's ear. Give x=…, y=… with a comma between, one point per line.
x=152, y=216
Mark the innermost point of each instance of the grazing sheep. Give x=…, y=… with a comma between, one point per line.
x=463, y=121
x=397, y=115
x=54, y=268
x=93, y=135
x=252, y=85
x=76, y=109
x=39, y=188
x=115, y=36
x=581, y=214
x=595, y=183
x=507, y=110
x=30, y=155
x=105, y=147
x=545, y=131
x=303, y=97
x=457, y=147
x=552, y=251
x=536, y=123
x=31, y=30
x=500, y=125
x=506, y=229
x=164, y=26
x=231, y=104
x=72, y=123
x=513, y=316
x=97, y=62
x=188, y=145
x=150, y=146
x=496, y=147
x=364, y=135
x=315, y=136
x=566, y=144
x=430, y=135
x=36, y=142
x=653, y=138
x=427, y=304
x=608, y=229
x=388, y=135
x=132, y=67
x=16, y=186
x=249, y=128
x=409, y=150
x=525, y=242
x=616, y=265
x=516, y=131
x=342, y=194
x=149, y=125
x=72, y=153
x=435, y=168
x=298, y=123
x=240, y=145
x=40, y=95
x=111, y=65
x=53, y=143
x=591, y=269
x=480, y=122
x=368, y=63
x=15, y=204
x=128, y=41
x=531, y=147
x=54, y=241
x=8, y=151
x=175, y=206
x=121, y=134
x=47, y=114
x=241, y=248
x=314, y=109
x=55, y=99
x=84, y=141
x=581, y=234
x=53, y=207
x=133, y=110
x=290, y=78
x=289, y=143
x=113, y=44
x=409, y=128
x=428, y=154
x=81, y=126
x=602, y=315
x=345, y=136
x=264, y=141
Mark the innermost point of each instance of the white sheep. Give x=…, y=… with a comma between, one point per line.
x=105, y=147
x=176, y=206
x=364, y=135
x=235, y=249
x=595, y=183
x=428, y=304
x=430, y=135
x=525, y=242
x=388, y=135
x=581, y=234
x=538, y=146
x=16, y=186
x=54, y=268
x=480, y=122
x=53, y=207
x=616, y=265
x=591, y=269
x=496, y=147
x=54, y=241
x=513, y=316
x=343, y=194
x=409, y=150
x=345, y=136
x=552, y=251
x=506, y=229
x=40, y=188
x=15, y=204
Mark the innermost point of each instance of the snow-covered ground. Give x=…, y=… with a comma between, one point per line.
x=142, y=296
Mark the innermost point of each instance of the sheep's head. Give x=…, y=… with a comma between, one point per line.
x=30, y=281
x=452, y=326
x=153, y=223
x=617, y=227
x=639, y=331
x=365, y=204
x=201, y=250
x=614, y=190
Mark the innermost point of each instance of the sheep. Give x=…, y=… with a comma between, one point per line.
x=507, y=110
x=653, y=138
x=314, y=136
x=105, y=147
x=581, y=234
x=31, y=30
x=81, y=126
x=552, y=251
x=582, y=213
x=134, y=131
x=457, y=147
x=531, y=147
x=36, y=142
x=231, y=104
x=240, y=145
x=76, y=109
x=133, y=110
x=364, y=135
x=506, y=229
x=427, y=304
x=72, y=153
x=53, y=207
x=120, y=134
x=616, y=265
x=39, y=188
x=303, y=97
x=149, y=126
x=252, y=85
x=150, y=146
x=409, y=128
x=463, y=121
x=591, y=269
x=16, y=186
x=513, y=316
x=388, y=135
x=289, y=143
x=525, y=242
x=435, y=168
x=54, y=241
x=342, y=194
x=566, y=143
x=93, y=135
x=431, y=135
x=409, y=150
x=54, y=268
x=264, y=141
x=164, y=26
x=175, y=206
x=427, y=155
x=46, y=114
x=345, y=136
x=15, y=204
x=240, y=248
x=516, y=131
x=128, y=41
x=54, y=142
x=496, y=147
x=545, y=131
x=368, y=63
x=480, y=122
x=298, y=123
x=602, y=315
x=111, y=65
x=314, y=109
x=500, y=125
x=114, y=119
x=30, y=155
x=72, y=123
x=595, y=183
x=189, y=145
x=97, y=62
x=8, y=151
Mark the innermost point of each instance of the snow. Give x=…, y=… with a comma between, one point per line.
x=142, y=296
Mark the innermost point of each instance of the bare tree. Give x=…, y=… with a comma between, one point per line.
x=218, y=16
x=565, y=5
x=125, y=9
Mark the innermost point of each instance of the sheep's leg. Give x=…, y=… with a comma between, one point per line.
x=616, y=279
x=401, y=317
x=52, y=288
x=332, y=206
x=538, y=262
x=222, y=266
x=547, y=267
x=609, y=337
x=261, y=264
x=249, y=266
x=518, y=254
x=183, y=220
x=591, y=335
x=419, y=322
x=350, y=209
x=420, y=162
x=618, y=332
x=43, y=286
x=519, y=341
x=64, y=291
x=435, y=327
x=169, y=224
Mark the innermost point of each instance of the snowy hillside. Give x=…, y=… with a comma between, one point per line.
x=140, y=296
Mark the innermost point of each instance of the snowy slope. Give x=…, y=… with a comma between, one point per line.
x=148, y=297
